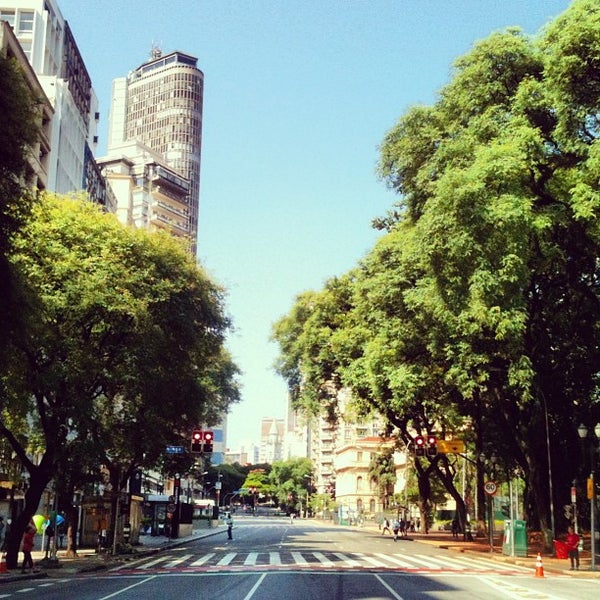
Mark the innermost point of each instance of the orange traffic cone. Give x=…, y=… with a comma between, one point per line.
x=539, y=568
x=3, y=568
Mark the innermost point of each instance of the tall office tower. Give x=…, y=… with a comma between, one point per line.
x=160, y=105
x=50, y=47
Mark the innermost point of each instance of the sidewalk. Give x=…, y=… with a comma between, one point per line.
x=88, y=560
x=481, y=547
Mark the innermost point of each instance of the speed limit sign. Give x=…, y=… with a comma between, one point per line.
x=490, y=487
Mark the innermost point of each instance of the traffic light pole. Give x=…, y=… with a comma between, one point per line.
x=593, y=518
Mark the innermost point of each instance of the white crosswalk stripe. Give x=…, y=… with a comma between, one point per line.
x=202, y=560
x=227, y=559
x=350, y=562
x=397, y=561
x=299, y=559
x=439, y=563
x=177, y=561
x=325, y=562
x=154, y=562
x=329, y=560
x=374, y=561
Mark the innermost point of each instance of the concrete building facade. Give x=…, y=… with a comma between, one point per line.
x=160, y=104
x=50, y=47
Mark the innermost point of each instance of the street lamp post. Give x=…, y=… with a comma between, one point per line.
x=582, y=430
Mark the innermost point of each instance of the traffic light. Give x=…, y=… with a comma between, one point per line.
x=196, y=445
x=431, y=445
x=420, y=446
x=207, y=439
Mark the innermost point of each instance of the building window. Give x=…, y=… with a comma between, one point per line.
x=25, y=21
x=359, y=456
x=8, y=15
x=359, y=484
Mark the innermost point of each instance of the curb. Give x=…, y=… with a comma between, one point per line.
x=74, y=566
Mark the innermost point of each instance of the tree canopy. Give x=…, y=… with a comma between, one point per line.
x=123, y=346
x=477, y=312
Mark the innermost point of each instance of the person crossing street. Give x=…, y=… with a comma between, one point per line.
x=229, y=523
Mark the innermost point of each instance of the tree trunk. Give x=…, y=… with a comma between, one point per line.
x=38, y=481
x=72, y=517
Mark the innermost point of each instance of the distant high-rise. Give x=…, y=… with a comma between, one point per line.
x=160, y=105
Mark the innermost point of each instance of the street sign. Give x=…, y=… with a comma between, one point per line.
x=174, y=449
x=490, y=487
x=451, y=447
x=171, y=508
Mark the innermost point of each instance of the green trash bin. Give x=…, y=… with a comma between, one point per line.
x=515, y=537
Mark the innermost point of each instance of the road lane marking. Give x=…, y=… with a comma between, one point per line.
x=388, y=588
x=178, y=561
x=155, y=562
x=251, y=558
x=202, y=560
x=374, y=561
x=129, y=587
x=440, y=563
x=255, y=587
x=347, y=560
x=226, y=559
x=394, y=559
x=299, y=559
x=325, y=562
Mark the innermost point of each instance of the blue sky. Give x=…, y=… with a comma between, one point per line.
x=298, y=96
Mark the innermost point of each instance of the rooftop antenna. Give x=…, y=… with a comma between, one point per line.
x=156, y=51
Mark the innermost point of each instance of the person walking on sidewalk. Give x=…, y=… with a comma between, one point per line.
x=572, y=542
x=229, y=523
x=27, y=546
x=386, y=527
x=397, y=528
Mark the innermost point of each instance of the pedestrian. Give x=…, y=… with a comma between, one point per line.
x=292, y=517
x=455, y=528
x=386, y=527
x=27, y=546
x=396, y=528
x=49, y=533
x=229, y=523
x=418, y=525
x=60, y=529
x=403, y=526
x=1, y=532
x=572, y=542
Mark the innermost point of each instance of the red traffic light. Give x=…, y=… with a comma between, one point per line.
x=419, y=441
x=431, y=440
x=208, y=436
x=196, y=445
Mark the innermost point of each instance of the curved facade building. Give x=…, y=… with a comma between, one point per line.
x=160, y=105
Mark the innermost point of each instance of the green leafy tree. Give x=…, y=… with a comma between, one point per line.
x=18, y=133
x=478, y=312
x=124, y=337
x=290, y=480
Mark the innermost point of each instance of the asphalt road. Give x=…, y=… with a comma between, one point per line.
x=272, y=559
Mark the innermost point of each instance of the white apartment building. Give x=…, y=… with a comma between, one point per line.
x=149, y=194
x=49, y=45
